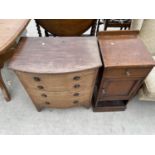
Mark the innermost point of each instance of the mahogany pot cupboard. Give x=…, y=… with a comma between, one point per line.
x=126, y=63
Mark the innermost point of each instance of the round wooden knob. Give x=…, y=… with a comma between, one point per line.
x=47, y=102
x=77, y=86
x=43, y=95
x=76, y=78
x=36, y=78
x=76, y=102
x=76, y=94
x=40, y=87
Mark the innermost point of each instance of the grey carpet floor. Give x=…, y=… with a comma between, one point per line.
x=19, y=116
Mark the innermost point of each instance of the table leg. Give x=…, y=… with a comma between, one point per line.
x=4, y=88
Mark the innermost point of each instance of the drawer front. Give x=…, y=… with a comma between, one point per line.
x=126, y=72
x=60, y=99
x=59, y=82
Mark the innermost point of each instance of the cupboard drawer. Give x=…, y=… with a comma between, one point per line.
x=126, y=72
x=59, y=82
x=60, y=99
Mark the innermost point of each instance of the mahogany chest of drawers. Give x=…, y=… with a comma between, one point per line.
x=126, y=63
x=58, y=72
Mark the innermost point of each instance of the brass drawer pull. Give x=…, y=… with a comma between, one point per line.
x=103, y=91
x=36, y=79
x=47, y=102
x=76, y=94
x=76, y=102
x=77, y=86
x=43, y=95
x=128, y=73
x=40, y=87
x=76, y=78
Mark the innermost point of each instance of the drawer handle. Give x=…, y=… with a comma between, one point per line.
x=36, y=78
x=47, y=102
x=76, y=102
x=43, y=95
x=40, y=87
x=76, y=78
x=128, y=73
x=77, y=86
x=103, y=91
x=76, y=94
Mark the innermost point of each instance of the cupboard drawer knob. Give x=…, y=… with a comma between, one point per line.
x=47, y=102
x=76, y=78
x=103, y=91
x=76, y=94
x=128, y=73
x=77, y=86
x=43, y=95
x=36, y=78
x=76, y=102
x=40, y=87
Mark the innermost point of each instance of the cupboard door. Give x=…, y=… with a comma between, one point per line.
x=119, y=89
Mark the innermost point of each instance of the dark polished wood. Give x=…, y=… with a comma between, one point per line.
x=66, y=27
x=58, y=72
x=56, y=55
x=119, y=23
x=126, y=64
x=10, y=30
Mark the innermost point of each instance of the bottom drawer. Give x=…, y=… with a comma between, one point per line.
x=60, y=99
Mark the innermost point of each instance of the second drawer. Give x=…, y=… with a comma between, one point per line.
x=60, y=82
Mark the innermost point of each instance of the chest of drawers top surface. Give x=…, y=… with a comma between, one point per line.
x=56, y=55
x=123, y=49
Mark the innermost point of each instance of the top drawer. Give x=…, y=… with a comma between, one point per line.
x=126, y=72
x=59, y=82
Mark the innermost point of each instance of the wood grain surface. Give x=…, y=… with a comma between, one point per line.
x=123, y=49
x=66, y=27
x=56, y=55
x=59, y=82
x=10, y=29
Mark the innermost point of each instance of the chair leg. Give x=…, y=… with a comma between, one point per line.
x=93, y=29
x=98, y=25
x=46, y=34
x=4, y=88
x=106, y=24
x=38, y=29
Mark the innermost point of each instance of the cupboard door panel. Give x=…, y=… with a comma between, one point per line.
x=116, y=89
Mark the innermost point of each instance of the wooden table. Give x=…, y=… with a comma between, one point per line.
x=10, y=30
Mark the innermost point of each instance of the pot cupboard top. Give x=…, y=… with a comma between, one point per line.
x=56, y=55
x=123, y=49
